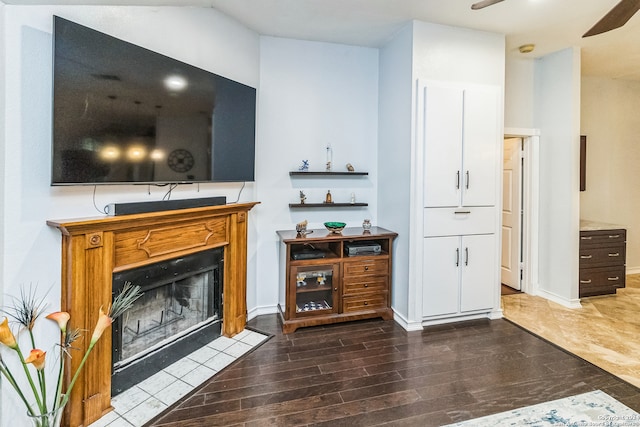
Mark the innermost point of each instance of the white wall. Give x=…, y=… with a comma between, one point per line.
x=557, y=115
x=519, y=93
x=30, y=249
x=312, y=94
x=394, y=157
x=609, y=119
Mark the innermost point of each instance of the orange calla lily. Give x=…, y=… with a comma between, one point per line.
x=37, y=358
x=6, y=336
x=61, y=317
x=103, y=323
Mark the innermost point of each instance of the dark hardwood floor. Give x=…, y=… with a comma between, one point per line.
x=375, y=373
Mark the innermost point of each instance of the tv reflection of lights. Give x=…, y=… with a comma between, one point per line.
x=136, y=153
x=158, y=154
x=110, y=152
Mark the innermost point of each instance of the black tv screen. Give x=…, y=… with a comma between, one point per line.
x=123, y=114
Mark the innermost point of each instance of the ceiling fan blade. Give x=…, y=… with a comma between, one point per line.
x=484, y=3
x=616, y=18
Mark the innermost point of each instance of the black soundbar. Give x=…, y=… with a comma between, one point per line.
x=114, y=209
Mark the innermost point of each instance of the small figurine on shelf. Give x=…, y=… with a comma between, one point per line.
x=303, y=197
x=321, y=279
x=300, y=279
x=301, y=228
x=328, y=198
x=366, y=225
x=304, y=167
x=329, y=157
x=350, y=167
x=353, y=198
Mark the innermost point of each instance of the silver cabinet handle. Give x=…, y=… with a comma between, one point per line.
x=614, y=254
x=586, y=256
x=457, y=257
x=466, y=256
x=585, y=281
x=586, y=237
x=457, y=180
x=467, y=180
x=461, y=212
x=614, y=236
x=613, y=279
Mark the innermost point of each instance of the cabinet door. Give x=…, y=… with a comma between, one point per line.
x=441, y=276
x=442, y=111
x=314, y=290
x=478, y=262
x=480, y=143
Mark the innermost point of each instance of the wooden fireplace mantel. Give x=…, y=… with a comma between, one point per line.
x=94, y=248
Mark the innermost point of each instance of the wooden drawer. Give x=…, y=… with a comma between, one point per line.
x=364, y=302
x=603, y=280
x=592, y=256
x=365, y=284
x=354, y=268
x=602, y=238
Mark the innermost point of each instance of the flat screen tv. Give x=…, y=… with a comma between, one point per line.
x=123, y=114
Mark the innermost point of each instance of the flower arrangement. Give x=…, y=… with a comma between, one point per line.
x=48, y=412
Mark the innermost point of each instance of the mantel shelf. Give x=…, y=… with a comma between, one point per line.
x=327, y=173
x=326, y=205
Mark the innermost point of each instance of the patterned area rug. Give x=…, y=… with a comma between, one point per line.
x=595, y=408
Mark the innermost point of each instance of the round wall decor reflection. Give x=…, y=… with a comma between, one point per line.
x=180, y=160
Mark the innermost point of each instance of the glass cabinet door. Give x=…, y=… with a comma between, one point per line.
x=315, y=289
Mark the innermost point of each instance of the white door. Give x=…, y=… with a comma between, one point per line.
x=442, y=146
x=478, y=283
x=511, y=213
x=480, y=146
x=441, y=275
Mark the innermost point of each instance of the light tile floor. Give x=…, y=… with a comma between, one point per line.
x=605, y=331
x=141, y=403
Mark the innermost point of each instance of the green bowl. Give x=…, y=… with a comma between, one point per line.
x=335, y=227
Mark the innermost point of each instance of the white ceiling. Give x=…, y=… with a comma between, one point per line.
x=550, y=24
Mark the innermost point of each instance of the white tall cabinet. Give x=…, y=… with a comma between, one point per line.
x=460, y=142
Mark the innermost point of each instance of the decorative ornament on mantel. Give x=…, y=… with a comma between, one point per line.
x=25, y=312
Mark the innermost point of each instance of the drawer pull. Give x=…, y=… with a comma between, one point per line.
x=366, y=285
x=585, y=237
x=614, y=254
x=613, y=279
x=458, y=180
x=586, y=256
x=366, y=268
x=461, y=212
x=585, y=281
x=335, y=289
x=366, y=303
x=614, y=236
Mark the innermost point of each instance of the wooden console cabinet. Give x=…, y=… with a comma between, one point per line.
x=602, y=261
x=321, y=283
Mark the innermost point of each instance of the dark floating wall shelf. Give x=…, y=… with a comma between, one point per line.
x=325, y=173
x=325, y=205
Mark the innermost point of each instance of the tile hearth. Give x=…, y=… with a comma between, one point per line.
x=141, y=403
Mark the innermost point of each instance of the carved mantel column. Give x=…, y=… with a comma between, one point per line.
x=94, y=248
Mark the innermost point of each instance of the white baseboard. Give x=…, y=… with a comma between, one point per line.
x=459, y=318
x=569, y=303
x=258, y=311
x=406, y=325
x=633, y=270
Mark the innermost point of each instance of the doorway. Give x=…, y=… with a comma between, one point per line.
x=512, y=213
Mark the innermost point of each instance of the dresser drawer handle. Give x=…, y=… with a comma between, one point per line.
x=614, y=254
x=366, y=303
x=585, y=237
x=586, y=256
x=585, y=281
x=614, y=236
x=613, y=279
x=461, y=212
x=366, y=268
x=366, y=285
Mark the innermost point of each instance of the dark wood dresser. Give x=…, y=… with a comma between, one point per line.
x=602, y=258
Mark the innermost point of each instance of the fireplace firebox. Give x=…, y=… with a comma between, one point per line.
x=179, y=312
